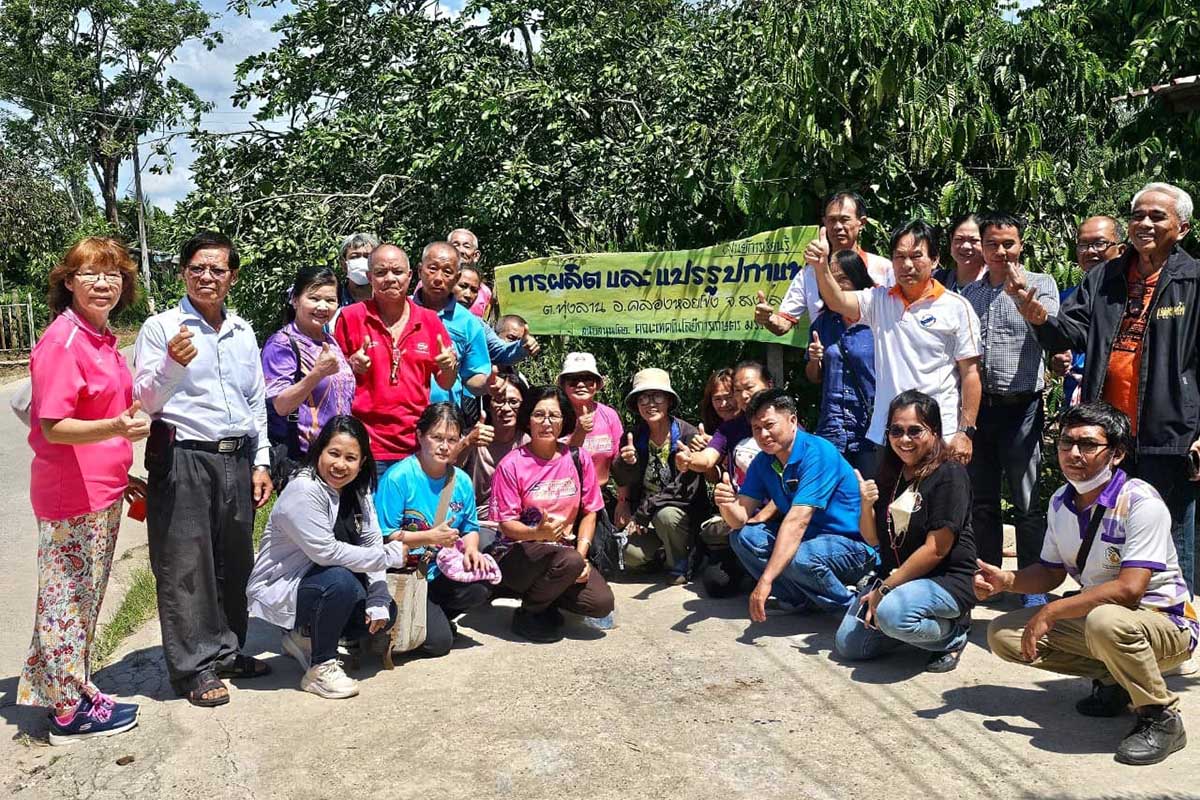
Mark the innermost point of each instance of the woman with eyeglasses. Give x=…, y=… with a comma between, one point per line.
x=841, y=358
x=479, y=460
x=918, y=513
x=598, y=426
x=308, y=379
x=429, y=504
x=545, y=498
x=82, y=425
x=668, y=504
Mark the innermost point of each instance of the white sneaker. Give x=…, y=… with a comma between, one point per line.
x=328, y=680
x=298, y=647
x=1188, y=667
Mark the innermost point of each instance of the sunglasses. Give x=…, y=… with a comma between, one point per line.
x=912, y=431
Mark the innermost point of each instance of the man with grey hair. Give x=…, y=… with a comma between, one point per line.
x=1137, y=319
x=352, y=258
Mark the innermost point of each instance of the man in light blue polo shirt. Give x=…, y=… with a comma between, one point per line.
x=438, y=272
x=811, y=549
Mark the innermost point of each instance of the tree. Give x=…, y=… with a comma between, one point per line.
x=91, y=77
x=36, y=219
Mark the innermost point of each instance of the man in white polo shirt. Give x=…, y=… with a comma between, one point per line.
x=925, y=337
x=1133, y=619
x=844, y=216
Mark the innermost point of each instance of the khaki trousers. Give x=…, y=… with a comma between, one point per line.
x=670, y=531
x=1111, y=644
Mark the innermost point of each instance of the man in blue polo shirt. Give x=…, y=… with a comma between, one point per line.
x=438, y=272
x=810, y=550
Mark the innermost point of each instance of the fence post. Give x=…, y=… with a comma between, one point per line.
x=775, y=363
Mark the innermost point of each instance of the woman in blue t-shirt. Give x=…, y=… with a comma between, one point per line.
x=841, y=357
x=410, y=500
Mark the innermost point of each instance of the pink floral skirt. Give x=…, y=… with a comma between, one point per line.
x=74, y=559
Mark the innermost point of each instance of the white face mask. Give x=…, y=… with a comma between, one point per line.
x=356, y=271
x=1099, y=479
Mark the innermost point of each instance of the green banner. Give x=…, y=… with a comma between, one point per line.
x=708, y=293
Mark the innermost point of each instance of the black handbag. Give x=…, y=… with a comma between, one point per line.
x=607, y=552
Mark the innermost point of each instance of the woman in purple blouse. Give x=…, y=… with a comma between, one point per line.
x=308, y=378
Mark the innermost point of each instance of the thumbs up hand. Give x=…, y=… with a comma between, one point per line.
x=326, y=363
x=129, y=425
x=587, y=420
x=763, y=310
x=700, y=440
x=723, y=492
x=815, y=349
x=866, y=489
x=180, y=348
x=628, y=452
x=360, y=362
x=817, y=251
x=482, y=434
x=447, y=358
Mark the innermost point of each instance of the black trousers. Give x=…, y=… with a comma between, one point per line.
x=200, y=523
x=448, y=599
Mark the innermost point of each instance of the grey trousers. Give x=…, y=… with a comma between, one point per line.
x=200, y=523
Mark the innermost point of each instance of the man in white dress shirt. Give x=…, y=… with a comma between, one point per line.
x=199, y=376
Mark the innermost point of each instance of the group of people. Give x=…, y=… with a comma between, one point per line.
x=391, y=416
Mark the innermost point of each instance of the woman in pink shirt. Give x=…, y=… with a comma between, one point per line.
x=598, y=427
x=545, y=498
x=82, y=425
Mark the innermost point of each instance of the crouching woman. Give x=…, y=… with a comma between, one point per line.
x=320, y=570
x=919, y=516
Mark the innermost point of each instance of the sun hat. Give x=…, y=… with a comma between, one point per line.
x=651, y=379
x=576, y=363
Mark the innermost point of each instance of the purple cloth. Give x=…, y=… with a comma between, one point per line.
x=332, y=396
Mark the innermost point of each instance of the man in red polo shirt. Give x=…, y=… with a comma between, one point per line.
x=394, y=347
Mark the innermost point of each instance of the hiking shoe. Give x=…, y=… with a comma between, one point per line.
x=1188, y=667
x=1155, y=735
x=91, y=720
x=1033, y=600
x=298, y=647
x=328, y=680
x=1106, y=700
x=536, y=626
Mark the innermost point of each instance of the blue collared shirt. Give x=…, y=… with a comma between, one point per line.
x=470, y=342
x=847, y=382
x=502, y=353
x=220, y=394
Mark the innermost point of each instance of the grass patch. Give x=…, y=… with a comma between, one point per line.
x=139, y=606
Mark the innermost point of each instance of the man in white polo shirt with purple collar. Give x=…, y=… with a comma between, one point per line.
x=925, y=337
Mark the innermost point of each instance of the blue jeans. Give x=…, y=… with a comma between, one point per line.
x=819, y=572
x=1168, y=474
x=920, y=613
x=331, y=603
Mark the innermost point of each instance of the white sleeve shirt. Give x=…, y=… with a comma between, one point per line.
x=804, y=298
x=220, y=394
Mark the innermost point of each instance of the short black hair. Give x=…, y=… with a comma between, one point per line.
x=536, y=395
x=853, y=268
x=1001, y=219
x=777, y=399
x=750, y=363
x=517, y=318
x=205, y=240
x=921, y=231
x=365, y=481
x=1113, y=420
x=441, y=412
x=307, y=277
x=860, y=205
x=958, y=221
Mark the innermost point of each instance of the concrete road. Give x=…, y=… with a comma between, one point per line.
x=684, y=699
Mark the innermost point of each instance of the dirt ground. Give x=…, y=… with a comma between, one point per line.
x=685, y=699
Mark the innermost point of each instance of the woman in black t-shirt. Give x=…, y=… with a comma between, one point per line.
x=919, y=515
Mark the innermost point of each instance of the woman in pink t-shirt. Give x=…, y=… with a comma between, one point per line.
x=82, y=427
x=544, y=499
x=598, y=427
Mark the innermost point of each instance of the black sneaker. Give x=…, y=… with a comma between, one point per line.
x=945, y=661
x=1104, y=701
x=1154, y=737
x=536, y=627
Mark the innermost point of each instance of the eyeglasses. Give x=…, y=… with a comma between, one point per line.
x=584, y=378
x=89, y=278
x=1098, y=246
x=542, y=416
x=651, y=398
x=912, y=431
x=198, y=270
x=508, y=403
x=1087, y=447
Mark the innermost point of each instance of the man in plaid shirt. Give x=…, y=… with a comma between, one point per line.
x=1011, y=409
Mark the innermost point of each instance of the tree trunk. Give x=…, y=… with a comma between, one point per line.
x=109, y=176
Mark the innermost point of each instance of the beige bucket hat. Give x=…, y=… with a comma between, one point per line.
x=651, y=379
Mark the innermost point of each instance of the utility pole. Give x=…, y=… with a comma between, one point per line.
x=141, y=220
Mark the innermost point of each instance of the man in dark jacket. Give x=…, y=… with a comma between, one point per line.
x=1137, y=318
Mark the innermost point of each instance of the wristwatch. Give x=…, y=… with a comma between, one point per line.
x=969, y=430
x=884, y=589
